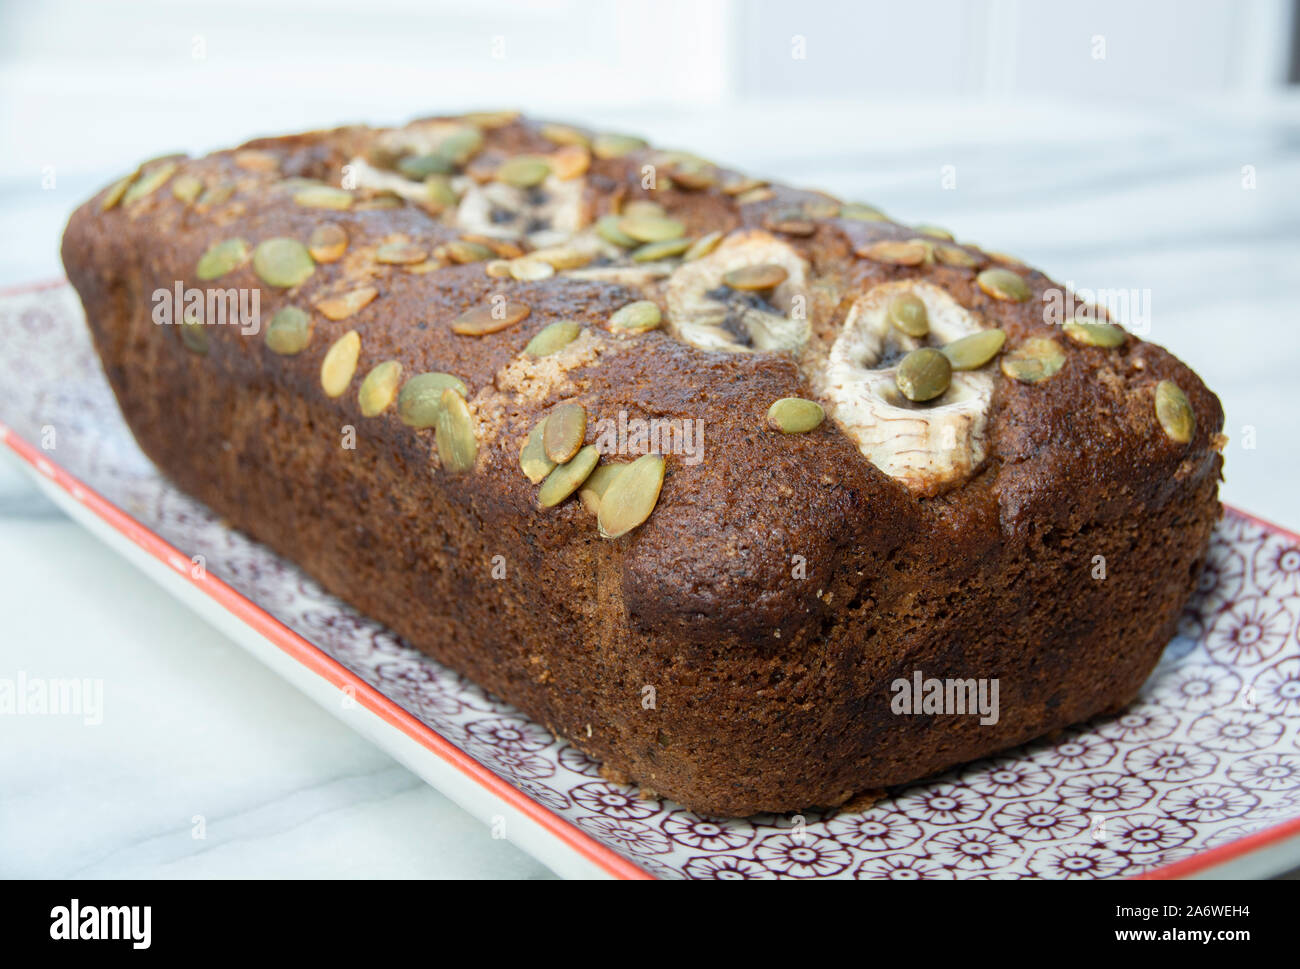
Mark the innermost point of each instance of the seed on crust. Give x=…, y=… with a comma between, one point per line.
x=340, y=364
x=896, y=252
x=570, y=161
x=566, y=428
x=973, y=351
x=420, y=399
x=1174, y=412
x=532, y=454
x=795, y=415
x=524, y=171
x=651, y=228
x=762, y=276
x=289, y=331
x=908, y=314
x=323, y=197
x=631, y=497
x=1090, y=333
x=149, y=182
x=1035, y=360
x=400, y=254
x=655, y=251
x=327, y=242
x=186, y=188
x=597, y=483
x=1003, y=284
x=638, y=317
x=955, y=256
x=567, y=478
x=114, y=195
x=346, y=304
x=553, y=338
x=457, y=446
x=379, y=388
x=481, y=320
x=222, y=257
x=609, y=145
x=282, y=262
x=923, y=374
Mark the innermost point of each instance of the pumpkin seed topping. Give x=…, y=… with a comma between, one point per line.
x=702, y=246
x=419, y=167
x=346, y=304
x=908, y=314
x=532, y=455
x=340, y=364
x=563, y=257
x=795, y=415
x=651, y=228
x=253, y=160
x=934, y=232
x=524, y=171
x=1003, y=284
x=749, y=278
x=1091, y=333
x=638, y=317
x=457, y=447
x=955, y=256
x=186, y=188
x=118, y=189
x=1035, y=360
x=895, y=252
x=400, y=254
x=553, y=338
x=654, y=251
x=597, y=483
x=222, y=257
x=607, y=227
x=491, y=119
x=568, y=478
x=149, y=182
x=460, y=146
x=282, y=262
x=527, y=269
x=215, y=195
x=420, y=400
x=490, y=319
x=1174, y=412
x=860, y=212
x=328, y=242
x=740, y=184
x=639, y=207
x=631, y=497
x=924, y=374
x=194, y=334
x=566, y=427
x=462, y=252
x=563, y=134
x=438, y=192
x=289, y=331
x=323, y=197
x=792, y=222
x=607, y=145
x=379, y=388
x=570, y=161
x=973, y=351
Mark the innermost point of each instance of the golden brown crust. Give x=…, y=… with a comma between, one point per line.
x=771, y=680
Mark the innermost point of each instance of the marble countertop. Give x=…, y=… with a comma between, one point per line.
x=1194, y=206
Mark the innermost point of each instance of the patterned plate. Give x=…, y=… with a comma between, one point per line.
x=1204, y=767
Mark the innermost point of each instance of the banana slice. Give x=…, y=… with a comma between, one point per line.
x=704, y=312
x=546, y=215
x=929, y=447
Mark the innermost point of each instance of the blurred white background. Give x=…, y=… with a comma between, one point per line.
x=1118, y=144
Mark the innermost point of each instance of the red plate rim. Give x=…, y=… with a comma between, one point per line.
x=323, y=666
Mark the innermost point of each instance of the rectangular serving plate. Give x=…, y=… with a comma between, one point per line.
x=498, y=766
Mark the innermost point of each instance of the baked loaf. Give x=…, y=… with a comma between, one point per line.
x=724, y=622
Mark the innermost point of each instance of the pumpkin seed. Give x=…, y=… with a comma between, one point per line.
x=461, y=145
x=498, y=268
x=895, y=252
x=607, y=227
x=524, y=171
x=149, y=182
x=194, y=334
x=1003, y=284
x=631, y=497
x=740, y=184
x=400, y=254
x=763, y=276
x=955, y=256
x=439, y=193
x=821, y=208
x=597, y=483
x=908, y=314
x=491, y=119
x=379, y=388
x=553, y=338
x=638, y=317
x=289, y=331
x=654, y=251
x=379, y=202
x=186, y=188
x=420, y=167
x=791, y=222
x=215, y=195
x=563, y=257
x=862, y=213
x=1174, y=412
x=528, y=270
x=1091, y=333
x=532, y=455
x=282, y=262
x=563, y=134
x=641, y=207
x=490, y=319
x=457, y=447
x=340, y=364
x=566, y=427
x=702, y=246
x=346, y=304
x=116, y=191
x=651, y=228
x=934, y=232
x=570, y=162
x=972, y=352
x=253, y=160
x=794, y=415
x=463, y=252
x=607, y=145
x=327, y=242
x=924, y=374
x=221, y=258
x=323, y=197
x=421, y=397
x=568, y=478
x=1034, y=360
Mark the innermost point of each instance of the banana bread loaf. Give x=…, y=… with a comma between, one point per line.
x=705, y=474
